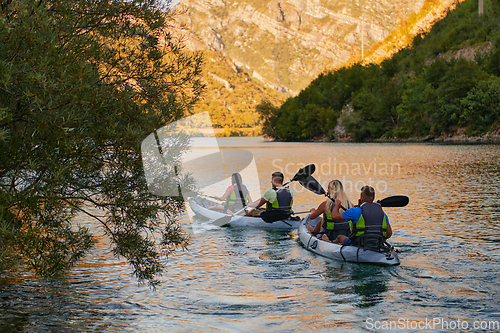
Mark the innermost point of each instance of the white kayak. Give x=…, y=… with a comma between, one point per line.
x=200, y=206
x=344, y=252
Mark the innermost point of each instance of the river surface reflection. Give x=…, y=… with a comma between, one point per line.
x=232, y=279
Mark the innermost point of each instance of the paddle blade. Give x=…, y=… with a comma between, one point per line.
x=312, y=185
x=394, y=201
x=270, y=216
x=308, y=169
x=222, y=221
x=304, y=172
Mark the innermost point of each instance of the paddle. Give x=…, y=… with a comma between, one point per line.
x=191, y=194
x=394, y=201
x=314, y=186
x=226, y=219
x=301, y=174
x=271, y=216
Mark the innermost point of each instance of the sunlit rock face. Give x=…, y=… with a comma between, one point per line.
x=287, y=43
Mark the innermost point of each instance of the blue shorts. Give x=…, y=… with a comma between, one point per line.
x=347, y=241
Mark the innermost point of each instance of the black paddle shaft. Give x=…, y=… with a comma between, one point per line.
x=314, y=186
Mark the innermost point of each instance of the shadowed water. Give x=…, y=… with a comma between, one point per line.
x=233, y=279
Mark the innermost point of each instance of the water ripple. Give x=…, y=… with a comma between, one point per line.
x=232, y=279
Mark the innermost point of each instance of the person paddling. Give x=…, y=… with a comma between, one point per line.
x=236, y=196
x=329, y=228
x=369, y=224
x=278, y=197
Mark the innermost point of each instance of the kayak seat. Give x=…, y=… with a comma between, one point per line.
x=333, y=234
x=372, y=242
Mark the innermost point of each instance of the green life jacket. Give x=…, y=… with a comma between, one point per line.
x=284, y=199
x=371, y=221
x=330, y=224
x=233, y=201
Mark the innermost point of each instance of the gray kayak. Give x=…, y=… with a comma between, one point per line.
x=348, y=253
x=200, y=206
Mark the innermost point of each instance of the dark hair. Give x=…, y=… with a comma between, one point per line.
x=368, y=192
x=279, y=175
x=236, y=178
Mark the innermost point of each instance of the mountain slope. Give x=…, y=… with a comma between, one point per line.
x=231, y=97
x=417, y=23
x=287, y=43
x=447, y=82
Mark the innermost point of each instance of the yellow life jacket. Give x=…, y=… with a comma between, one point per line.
x=371, y=221
x=233, y=201
x=284, y=199
x=329, y=224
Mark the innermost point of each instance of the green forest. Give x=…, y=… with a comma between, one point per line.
x=231, y=96
x=447, y=81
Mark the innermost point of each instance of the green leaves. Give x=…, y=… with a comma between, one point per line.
x=482, y=105
x=81, y=85
x=431, y=88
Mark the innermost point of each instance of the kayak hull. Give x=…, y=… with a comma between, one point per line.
x=344, y=253
x=199, y=206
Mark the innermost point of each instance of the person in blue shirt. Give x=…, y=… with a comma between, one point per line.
x=366, y=220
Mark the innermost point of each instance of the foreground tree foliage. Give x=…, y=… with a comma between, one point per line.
x=82, y=83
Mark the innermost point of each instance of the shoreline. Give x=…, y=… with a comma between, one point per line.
x=451, y=139
x=447, y=139
x=456, y=139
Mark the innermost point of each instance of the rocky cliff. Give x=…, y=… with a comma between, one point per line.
x=287, y=43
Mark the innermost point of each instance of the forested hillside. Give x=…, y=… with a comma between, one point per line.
x=446, y=82
x=231, y=96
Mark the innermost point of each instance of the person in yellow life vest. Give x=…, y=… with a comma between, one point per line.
x=278, y=197
x=236, y=196
x=368, y=221
x=329, y=228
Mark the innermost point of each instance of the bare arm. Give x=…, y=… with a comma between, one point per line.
x=257, y=203
x=389, y=231
x=249, y=198
x=336, y=215
x=318, y=211
x=226, y=194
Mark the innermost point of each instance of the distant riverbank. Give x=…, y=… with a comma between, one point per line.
x=455, y=138
x=493, y=137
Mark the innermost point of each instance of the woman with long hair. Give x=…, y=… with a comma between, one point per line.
x=236, y=196
x=329, y=228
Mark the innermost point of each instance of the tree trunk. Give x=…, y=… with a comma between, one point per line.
x=480, y=7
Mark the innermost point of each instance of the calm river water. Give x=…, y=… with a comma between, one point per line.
x=240, y=280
